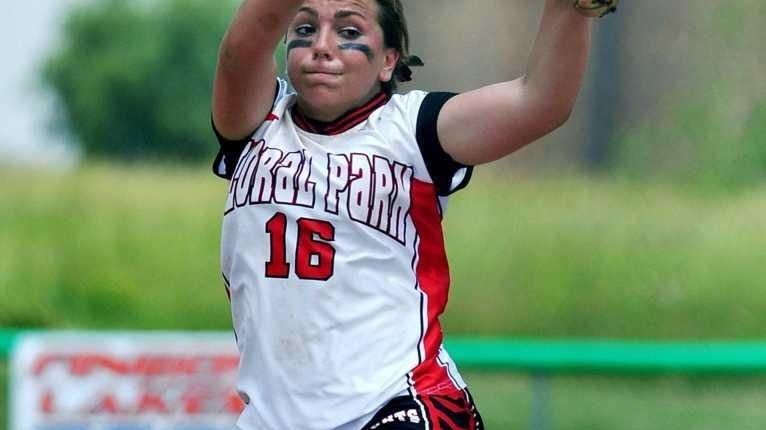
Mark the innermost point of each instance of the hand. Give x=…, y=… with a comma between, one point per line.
x=596, y=8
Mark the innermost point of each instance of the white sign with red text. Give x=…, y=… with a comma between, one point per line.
x=124, y=381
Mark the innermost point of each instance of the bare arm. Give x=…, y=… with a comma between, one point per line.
x=489, y=123
x=245, y=79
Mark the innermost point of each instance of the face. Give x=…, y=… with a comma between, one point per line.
x=336, y=56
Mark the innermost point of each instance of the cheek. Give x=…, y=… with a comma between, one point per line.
x=362, y=57
x=294, y=55
x=293, y=62
x=364, y=73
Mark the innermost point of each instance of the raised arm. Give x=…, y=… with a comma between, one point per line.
x=245, y=79
x=486, y=124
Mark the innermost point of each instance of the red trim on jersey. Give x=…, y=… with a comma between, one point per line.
x=432, y=273
x=346, y=122
x=452, y=411
x=271, y=117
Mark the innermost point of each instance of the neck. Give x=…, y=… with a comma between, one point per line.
x=345, y=122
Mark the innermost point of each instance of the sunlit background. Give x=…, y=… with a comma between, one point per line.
x=640, y=219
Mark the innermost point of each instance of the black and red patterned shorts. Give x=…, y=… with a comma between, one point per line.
x=453, y=411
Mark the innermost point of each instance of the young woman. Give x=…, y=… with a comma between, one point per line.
x=332, y=247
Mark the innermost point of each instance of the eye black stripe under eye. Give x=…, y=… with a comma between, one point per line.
x=298, y=44
x=359, y=47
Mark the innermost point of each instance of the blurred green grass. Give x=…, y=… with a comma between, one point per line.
x=621, y=403
x=111, y=247
x=605, y=257
x=124, y=246
x=606, y=403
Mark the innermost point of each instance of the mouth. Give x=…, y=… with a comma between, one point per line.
x=322, y=77
x=321, y=73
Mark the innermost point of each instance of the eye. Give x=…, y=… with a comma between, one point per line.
x=349, y=33
x=304, y=30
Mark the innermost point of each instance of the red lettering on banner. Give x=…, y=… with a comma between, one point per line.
x=166, y=365
x=43, y=362
x=148, y=365
x=224, y=364
x=152, y=403
x=107, y=405
x=85, y=364
x=193, y=404
x=233, y=404
x=46, y=403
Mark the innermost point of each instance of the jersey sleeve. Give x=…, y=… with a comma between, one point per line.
x=447, y=174
x=229, y=150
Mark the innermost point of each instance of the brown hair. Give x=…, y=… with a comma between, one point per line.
x=396, y=36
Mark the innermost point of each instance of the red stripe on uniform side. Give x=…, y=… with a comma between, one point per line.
x=452, y=411
x=432, y=272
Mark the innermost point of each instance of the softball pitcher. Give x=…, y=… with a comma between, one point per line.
x=332, y=245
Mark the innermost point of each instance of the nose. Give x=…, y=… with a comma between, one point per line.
x=323, y=45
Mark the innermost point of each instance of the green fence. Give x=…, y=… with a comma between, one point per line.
x=7, y=338
x=544, y=358
x=605, y=356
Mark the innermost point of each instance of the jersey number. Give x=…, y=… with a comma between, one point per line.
x=314, y=259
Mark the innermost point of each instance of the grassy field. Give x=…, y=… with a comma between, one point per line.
x=137, y=248
x=128, y=247
x=112, y=248
x=584, y=257
x=617, y=403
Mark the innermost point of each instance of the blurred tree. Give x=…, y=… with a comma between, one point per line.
x=754, y=142
x=710, y=129
x=134, y=78
x=606, y=72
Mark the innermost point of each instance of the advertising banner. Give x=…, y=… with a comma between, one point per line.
x=124, y=381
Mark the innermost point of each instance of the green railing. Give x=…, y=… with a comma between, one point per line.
x=606, y=356
x=576, y=356
x=543, y=358
x=7, y=338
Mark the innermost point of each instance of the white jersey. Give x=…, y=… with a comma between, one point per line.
x=334, y=259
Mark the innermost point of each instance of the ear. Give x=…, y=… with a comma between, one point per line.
x=390, y=60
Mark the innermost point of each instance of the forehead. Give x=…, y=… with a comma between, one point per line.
x=368, y=8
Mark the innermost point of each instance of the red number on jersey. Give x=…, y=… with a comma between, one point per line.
x=277, y=266
x=314, y=259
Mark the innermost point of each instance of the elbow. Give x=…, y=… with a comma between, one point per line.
x=229, y=54
x=235, y=47
x=551, y=118
x=556, y=113
x=247, y=41
x=561, y=117
x=235, y=57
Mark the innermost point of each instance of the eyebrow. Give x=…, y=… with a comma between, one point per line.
x=338, y=15
x=347, y=13
x=309, y=11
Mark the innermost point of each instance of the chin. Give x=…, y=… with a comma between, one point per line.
x=321, y=96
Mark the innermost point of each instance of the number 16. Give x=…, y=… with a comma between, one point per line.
x=307, y=248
